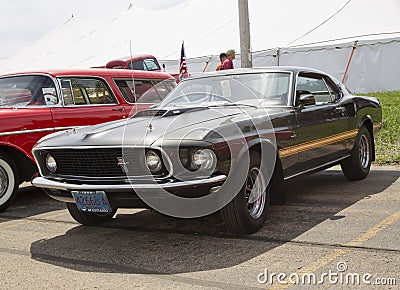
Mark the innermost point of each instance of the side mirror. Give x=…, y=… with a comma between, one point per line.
x=306, y=100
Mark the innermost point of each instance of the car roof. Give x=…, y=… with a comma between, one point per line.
x=100, y=72
x=133, y=57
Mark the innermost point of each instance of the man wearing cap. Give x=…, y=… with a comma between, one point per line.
x=228, y=62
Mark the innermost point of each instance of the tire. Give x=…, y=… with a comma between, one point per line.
x=241, y=216
x=358, y=165
x=89, y=218
x=9, y=181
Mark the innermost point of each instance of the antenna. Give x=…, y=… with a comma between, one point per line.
x=133, y=77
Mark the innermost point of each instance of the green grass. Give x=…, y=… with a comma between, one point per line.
x=387, y=141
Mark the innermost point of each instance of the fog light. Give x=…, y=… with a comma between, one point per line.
x=51, y=163
x=153, y=161
x=204, y=159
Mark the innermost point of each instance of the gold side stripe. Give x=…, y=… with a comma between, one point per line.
x=317, y=143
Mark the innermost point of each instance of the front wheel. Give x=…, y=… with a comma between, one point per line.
x=357, y=166
x=89, y=218
x=247, y=212
x=8, y=181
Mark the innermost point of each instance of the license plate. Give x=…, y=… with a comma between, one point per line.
x=91, y=201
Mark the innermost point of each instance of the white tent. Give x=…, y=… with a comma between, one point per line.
x=208, y=28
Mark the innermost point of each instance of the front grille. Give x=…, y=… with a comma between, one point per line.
x=100, y=162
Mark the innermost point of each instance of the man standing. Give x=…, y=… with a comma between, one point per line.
x=228, y=63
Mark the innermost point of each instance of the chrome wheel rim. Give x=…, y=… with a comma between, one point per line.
x=255, y=193
x=365, y=152
x=3, y=181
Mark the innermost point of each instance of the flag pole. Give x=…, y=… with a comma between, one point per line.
x=182, y=65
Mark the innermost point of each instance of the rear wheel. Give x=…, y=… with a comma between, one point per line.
x=8, y=181
x=357, y=166
x=247, y=212
x=89, y=218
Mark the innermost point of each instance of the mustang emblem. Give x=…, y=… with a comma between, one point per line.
x=123, y=164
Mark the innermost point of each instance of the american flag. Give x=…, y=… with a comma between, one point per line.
x=182, y=65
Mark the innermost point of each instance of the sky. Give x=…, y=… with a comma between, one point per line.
x=36, y=33
x=25, y=21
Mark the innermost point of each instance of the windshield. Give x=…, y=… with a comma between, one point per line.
x=270, y=88
x=20, y=91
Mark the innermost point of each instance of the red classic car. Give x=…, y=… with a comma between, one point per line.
x=146, y=62
x=34, y=104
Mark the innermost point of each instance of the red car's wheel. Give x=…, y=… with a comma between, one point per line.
x=8, y=181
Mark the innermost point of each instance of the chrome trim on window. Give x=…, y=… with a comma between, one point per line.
x=89, y=77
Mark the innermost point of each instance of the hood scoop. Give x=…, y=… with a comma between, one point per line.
x=150, y=113
x=167, y=112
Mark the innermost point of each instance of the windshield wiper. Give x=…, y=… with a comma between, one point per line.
x=232, y=105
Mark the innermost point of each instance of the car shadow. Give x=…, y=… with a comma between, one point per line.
x=151, y=243
x=30, y=201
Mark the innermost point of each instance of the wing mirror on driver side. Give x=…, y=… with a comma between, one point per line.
x=306, y=100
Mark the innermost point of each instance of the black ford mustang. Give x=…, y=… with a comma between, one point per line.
x=222, y=141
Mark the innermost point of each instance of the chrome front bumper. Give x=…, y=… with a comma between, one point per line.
x=51, y=184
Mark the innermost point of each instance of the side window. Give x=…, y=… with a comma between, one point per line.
x=80, y=91
x=136, y=65
x=333, y=89
x=66, y=90
x=144, y=91
x=151, y=64
x=29, y=90
x=317, y=86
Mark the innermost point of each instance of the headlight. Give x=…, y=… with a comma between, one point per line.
x=153, y=161
x=204, y=159
x=51, y=163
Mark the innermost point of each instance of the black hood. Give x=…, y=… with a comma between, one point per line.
x=156, y=125
x=147, y=127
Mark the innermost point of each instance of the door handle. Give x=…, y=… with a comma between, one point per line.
x=118, y=109
x=340, y=109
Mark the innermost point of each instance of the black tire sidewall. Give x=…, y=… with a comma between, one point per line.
x=352, y=167
x=236, y=214
x=364, y=132
x=89, y=218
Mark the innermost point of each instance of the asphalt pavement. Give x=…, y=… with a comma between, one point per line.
x=332, y=233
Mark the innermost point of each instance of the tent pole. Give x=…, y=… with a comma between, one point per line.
x=207, y=62
x=348, y=63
